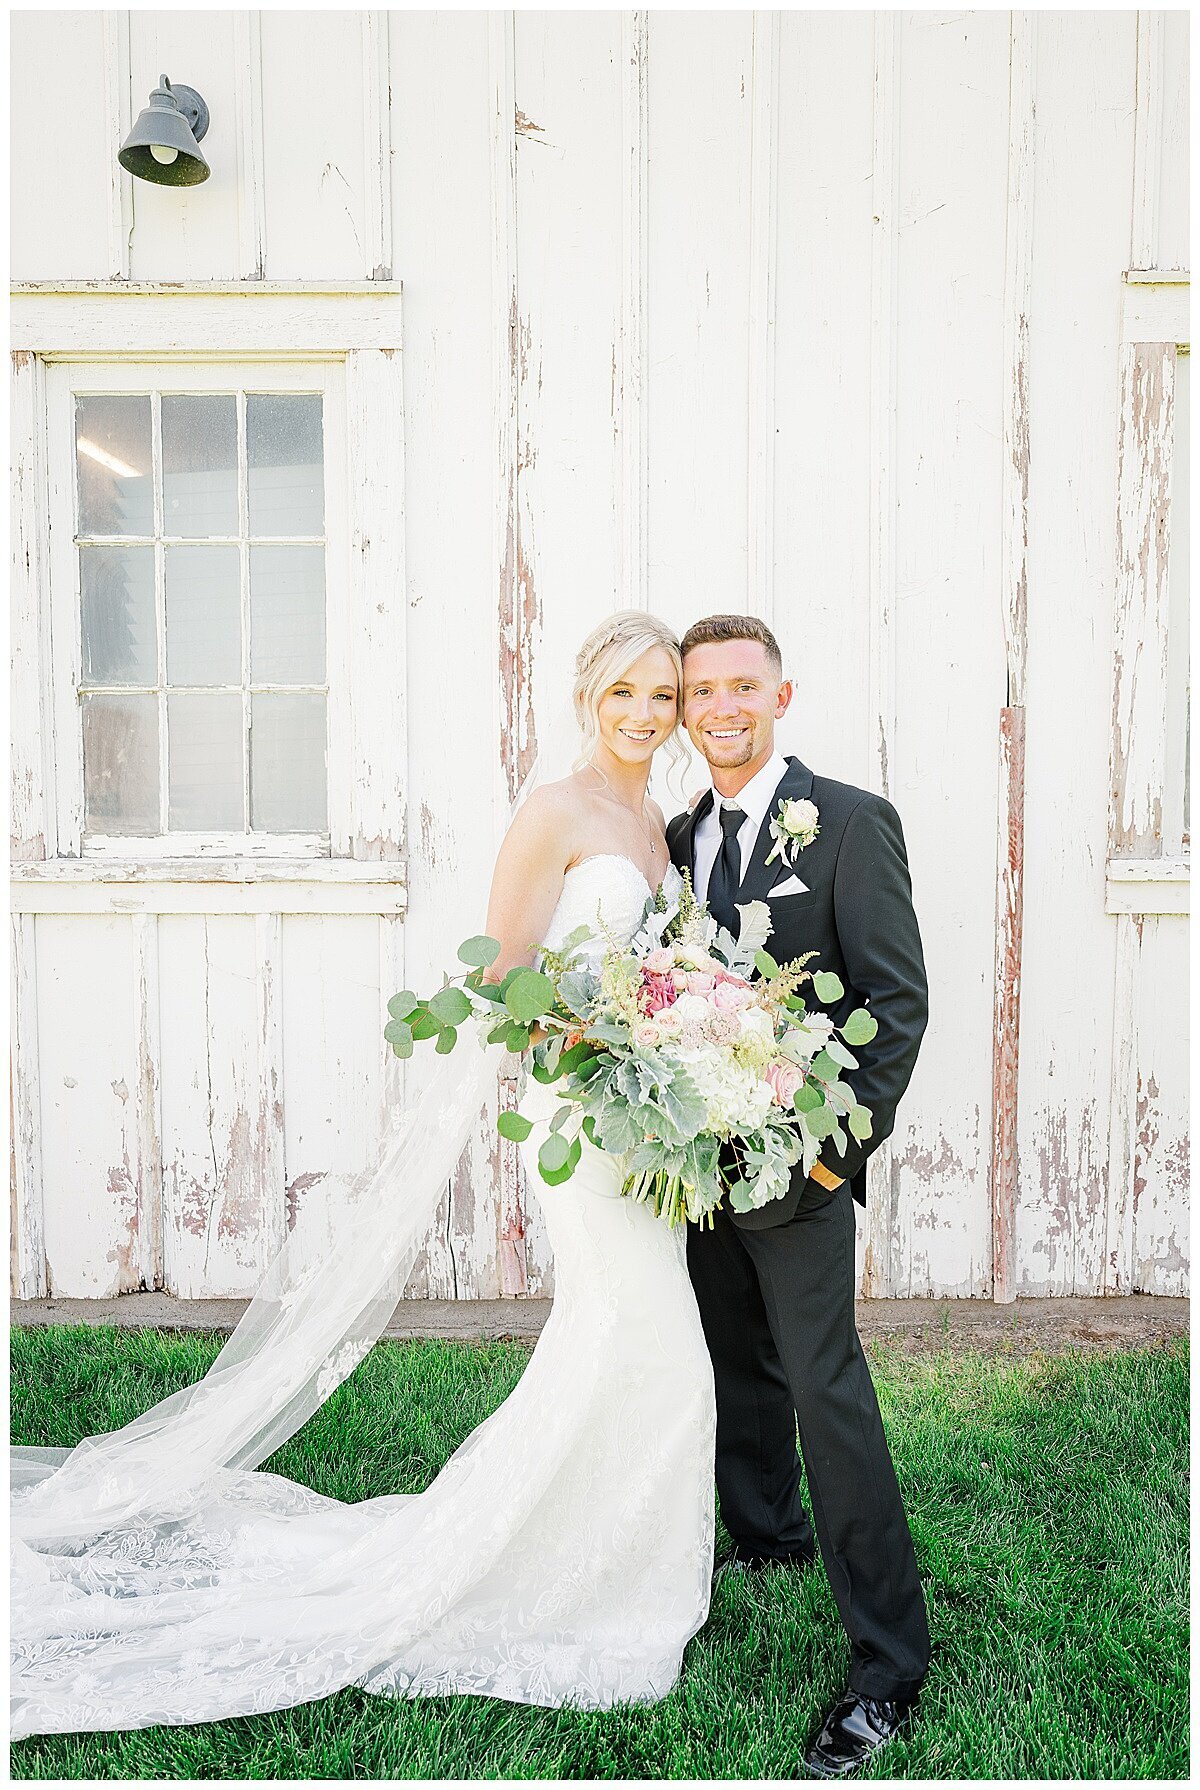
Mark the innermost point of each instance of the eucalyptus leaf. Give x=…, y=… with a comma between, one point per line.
x=554, y=1153
x=451, y=1006
x=403, y=1004
x=447, y=1039
x=827, y=986
x=820, y=1121
x=480, y=952
x=860, y=1122
x=555, y=1177
x=860, y=1027
x=837, y=1050
x=397, y=1032
x=518, y=1037
x=530, y=995
x=514, y=1126
x=560, y=1118
x=425, y=1025
x=765, y=964
x=823, y=1067
x=807, y=1097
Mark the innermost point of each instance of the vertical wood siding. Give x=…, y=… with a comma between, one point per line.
x=813, y=314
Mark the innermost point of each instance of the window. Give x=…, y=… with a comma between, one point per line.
x=201, y=509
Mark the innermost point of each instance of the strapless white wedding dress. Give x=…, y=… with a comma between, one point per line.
x=563, y=1555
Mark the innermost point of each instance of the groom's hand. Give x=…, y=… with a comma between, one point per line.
x=824, y=1176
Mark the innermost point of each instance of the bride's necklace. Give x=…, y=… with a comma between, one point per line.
x=650, y=839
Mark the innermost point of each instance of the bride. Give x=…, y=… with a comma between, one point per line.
x=564, y=1553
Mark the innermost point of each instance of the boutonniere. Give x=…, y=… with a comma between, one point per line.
x=794, y=827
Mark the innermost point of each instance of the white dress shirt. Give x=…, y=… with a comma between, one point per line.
x=755, y=801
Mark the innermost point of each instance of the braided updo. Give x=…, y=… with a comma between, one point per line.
x=606, y=655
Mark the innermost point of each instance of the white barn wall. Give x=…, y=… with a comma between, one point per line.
x=707, y=310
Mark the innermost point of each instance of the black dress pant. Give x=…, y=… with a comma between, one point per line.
x=777, y=1307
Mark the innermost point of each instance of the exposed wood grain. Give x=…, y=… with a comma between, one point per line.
x=31, y=760
x=1006, y=1041
x=1014, y=574
x=146, y=1100
x=1143, y=538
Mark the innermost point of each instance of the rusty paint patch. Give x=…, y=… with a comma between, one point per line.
x=239, y=1182
x=525, y=127
x=21, y=358
x=1006, y=1005
x=120, y=1090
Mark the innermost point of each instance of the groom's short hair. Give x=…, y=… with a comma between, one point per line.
x=715, y=629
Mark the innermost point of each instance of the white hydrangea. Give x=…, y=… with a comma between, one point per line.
x=735, y=1097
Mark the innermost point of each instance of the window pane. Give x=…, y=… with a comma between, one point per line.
x=204, y=756
x=287, y=615
x=287, y=763
x=283, y=444
x=120, y=764
x=204, y=615
x=117, y=603
x=199, y=451
x=114, y=461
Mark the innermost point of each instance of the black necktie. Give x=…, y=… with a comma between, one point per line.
x=726, y=878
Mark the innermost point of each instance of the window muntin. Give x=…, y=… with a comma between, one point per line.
x=200, y=534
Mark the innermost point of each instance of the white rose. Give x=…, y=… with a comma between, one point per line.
x=690, y=1006
x=799, y=816
x=754, y=1019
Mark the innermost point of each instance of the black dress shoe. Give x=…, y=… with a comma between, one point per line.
x=853, y=1732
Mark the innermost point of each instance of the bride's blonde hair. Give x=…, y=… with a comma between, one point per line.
x=606, y=655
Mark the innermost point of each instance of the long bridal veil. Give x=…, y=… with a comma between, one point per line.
x=154, y=1555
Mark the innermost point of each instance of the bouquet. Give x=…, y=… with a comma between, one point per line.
x=690, y=1056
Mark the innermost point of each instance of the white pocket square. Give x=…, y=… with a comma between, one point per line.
x=790, y=886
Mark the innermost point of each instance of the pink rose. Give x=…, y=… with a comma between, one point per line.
x=731, y=997
x=699, y=982
x=657, y=992
x=680, y=979
x=784, y=1078
x=658, y=962
x=645, y=1035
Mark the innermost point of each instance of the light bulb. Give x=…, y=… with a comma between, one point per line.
x=163, y=153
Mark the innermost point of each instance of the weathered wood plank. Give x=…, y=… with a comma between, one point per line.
x=31, y=762
x=1081, y=242
x=1014, y=576
x=28, y=1241
x=89, y=1071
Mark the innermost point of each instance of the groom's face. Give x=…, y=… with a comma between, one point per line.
x=732, y=697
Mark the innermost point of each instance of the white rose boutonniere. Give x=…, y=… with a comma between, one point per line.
x=794, y=827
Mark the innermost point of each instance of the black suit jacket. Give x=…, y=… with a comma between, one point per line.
x=858, y=915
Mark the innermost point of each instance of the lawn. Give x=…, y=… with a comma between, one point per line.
x=1048, y=1501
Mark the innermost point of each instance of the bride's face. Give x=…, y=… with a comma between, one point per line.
x=637, y=712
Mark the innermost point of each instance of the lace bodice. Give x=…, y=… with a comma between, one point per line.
x=607, y=884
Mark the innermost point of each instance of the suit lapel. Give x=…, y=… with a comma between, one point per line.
x=687, y=838
x=795, y=785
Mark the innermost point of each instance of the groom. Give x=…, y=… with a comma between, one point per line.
x=776, y=1286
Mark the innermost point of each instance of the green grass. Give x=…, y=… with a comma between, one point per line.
x=1049, y=1506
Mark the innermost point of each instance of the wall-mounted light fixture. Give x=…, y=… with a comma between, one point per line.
x=163, y=144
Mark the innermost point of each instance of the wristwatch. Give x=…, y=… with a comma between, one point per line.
x=825, y=1176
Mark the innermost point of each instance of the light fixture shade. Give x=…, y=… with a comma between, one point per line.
x=174, y=120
